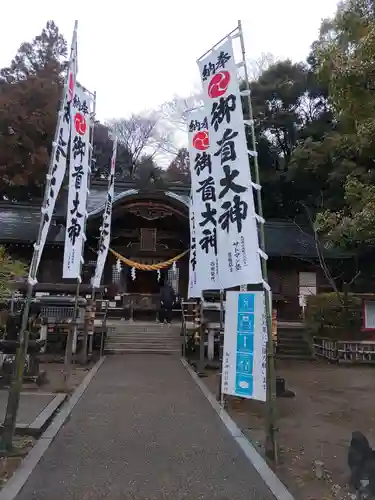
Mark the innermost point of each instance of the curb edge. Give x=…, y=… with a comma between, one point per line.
x=28, y=464
x=273, y=483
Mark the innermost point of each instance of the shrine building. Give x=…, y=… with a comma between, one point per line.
x=150, y=224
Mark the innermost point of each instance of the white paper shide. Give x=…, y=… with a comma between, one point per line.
x=204, y=202
x=105, y=232
x=78, y=183
x=237, y=242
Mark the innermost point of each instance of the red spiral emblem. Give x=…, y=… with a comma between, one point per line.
x=80, y=123
x=218, y=84
x=201, y=140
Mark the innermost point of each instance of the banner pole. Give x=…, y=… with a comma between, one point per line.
x=70, y=337
x=271, y=445
x=106, y=221
x=74, y=328
x=16, y=385
x=221, y=347
x=93, y=305
x=218, y=43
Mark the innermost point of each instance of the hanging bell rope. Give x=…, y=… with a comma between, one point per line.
x=148, y=267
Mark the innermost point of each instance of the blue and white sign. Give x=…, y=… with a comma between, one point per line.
x=245, y=346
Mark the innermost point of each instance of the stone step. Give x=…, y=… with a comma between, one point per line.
x=132, y=338
x=140, y=339
x=149, y=339
x=141, y=345
x=297, y=351
x=137, y=350
x=137, y=338
x=290, y=335
x=151, y=324
x=290, y=343
x=160, y=335
x=168, y=333
x=305, y=357
x=143, y=337
x=145, y=330
x=145, y=334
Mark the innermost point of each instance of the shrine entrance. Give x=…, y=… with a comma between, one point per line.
x=150, y=228
x=145, y=283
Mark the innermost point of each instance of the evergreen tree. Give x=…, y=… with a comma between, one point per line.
x=30, y=91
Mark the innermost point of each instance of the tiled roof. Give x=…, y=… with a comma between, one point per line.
x=19, y=223
x=284, y=238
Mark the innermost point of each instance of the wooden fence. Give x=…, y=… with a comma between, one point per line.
x=343, y=351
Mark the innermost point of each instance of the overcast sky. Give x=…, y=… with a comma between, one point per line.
x=137, y=54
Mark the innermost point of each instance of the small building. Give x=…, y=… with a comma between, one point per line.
x=150, y=224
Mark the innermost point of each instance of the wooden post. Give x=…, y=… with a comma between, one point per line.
x=211, y=344
x=91, y=326
x=86, y=331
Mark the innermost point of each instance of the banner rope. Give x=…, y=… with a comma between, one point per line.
x=148, y=267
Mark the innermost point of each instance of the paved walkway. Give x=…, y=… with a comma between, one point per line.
x=143, y=430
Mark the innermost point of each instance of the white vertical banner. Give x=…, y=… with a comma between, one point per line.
x=193, y=290
x=204, y=201
x=105, y=231
x=79, y=168
x=238, y=245
x=59, y=154
x=245, y=346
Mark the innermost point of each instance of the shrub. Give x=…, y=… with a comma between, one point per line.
x=334, y=316
x=10, y=271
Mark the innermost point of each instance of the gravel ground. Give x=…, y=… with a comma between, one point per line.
x=143, y=430
x=331, y=402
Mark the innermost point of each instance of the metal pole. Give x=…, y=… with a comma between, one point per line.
x=16, y=386
x=91, y=337
x=202, y=335
x=219, y=394
x=218, y=43
x=104, y=325
x=102, y=344
x=271, y=445
x=69, y=340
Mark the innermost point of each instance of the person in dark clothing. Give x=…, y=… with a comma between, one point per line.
x=167, y=298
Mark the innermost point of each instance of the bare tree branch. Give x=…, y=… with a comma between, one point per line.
x=141, y=136
x=320, y=254
x=257, y=66
x=174, y=113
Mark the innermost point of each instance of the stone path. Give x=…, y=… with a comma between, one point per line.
x=143, y=430
x=31, y=405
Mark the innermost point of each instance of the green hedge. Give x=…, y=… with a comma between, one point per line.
x=333, y=316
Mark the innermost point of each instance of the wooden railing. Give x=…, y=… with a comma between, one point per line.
x=344, y=351
x=325, y=348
